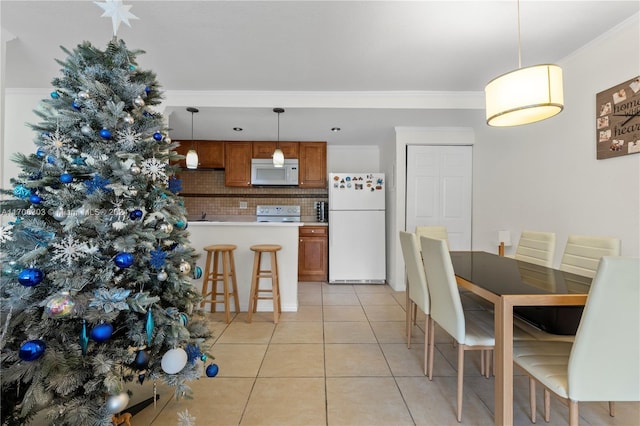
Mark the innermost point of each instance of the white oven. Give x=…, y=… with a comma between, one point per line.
x=264, y=173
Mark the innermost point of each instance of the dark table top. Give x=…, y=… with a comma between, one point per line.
x=504, y=275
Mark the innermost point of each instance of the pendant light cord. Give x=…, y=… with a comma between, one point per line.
x=519, y=43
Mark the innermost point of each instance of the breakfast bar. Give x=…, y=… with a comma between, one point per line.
x=245, y=234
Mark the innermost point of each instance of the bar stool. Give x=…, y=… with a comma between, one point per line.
x=271, y=274
x=216, y=254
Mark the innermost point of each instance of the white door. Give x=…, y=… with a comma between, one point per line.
x=439, y=190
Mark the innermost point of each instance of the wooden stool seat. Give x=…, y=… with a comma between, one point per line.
x=217, y=254
x=272, y=274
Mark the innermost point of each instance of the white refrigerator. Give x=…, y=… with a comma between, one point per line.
x=357, y=228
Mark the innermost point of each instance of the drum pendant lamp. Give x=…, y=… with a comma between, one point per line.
x=525, y=95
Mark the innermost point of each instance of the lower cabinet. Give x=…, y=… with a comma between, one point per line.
x=313, y=253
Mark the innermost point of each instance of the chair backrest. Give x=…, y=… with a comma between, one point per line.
x=604, y=364
x=446, y=308
x=418, y=290
x=536, y=247
x=439, y=232
x=582, y=253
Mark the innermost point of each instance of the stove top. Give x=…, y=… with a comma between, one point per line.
x=278, y=213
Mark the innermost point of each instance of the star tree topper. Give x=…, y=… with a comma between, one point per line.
x=118, y=13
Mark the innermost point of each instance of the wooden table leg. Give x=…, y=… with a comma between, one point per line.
x=504, y=362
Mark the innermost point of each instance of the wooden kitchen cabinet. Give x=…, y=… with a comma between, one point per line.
x=237, y=160
x=265, y=149
x=313, y=253
x=210, y=153
x=312, y=165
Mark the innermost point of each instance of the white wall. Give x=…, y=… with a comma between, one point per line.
x=545, y=176
x=353, y=159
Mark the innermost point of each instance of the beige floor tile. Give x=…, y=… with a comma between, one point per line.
x=348, y=332
x=309, y=287
x=359, y=359
x=305, y=313
x=217, y=401
x=340, y=299
x=260, y=316
x=365, y=401
x=434, y=402
x=298, y=332
x=242, y=332
x=401, y=297
x=368, y=299
x=395, y=332
x=372, y=288
x=238, y=360
x=293, y=360
x=286, y=401
x=310, y=298
x=403, y=361
x=343, y=313
x=337, y=288
x=384, y=313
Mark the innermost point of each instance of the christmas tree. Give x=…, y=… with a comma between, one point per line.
x=96, y=289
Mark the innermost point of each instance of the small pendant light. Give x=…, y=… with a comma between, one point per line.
x=278, y=155
x=525, y=95
x=192, y=155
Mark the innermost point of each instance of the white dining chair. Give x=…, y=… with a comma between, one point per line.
x=447, y=312
x=536, y=247
x=603, y=362
x=417, y=292
x=432, y=231
x=582, y=253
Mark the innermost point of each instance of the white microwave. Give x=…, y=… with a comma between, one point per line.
x=264, y=173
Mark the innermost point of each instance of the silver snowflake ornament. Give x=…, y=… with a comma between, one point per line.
x=69, y=251
x=154, y=169
x=6, y=233
x=58, y=144
x=128, y=138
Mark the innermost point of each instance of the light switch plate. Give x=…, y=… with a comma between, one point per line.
x=243, y=204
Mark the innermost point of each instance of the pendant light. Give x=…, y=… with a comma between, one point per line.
x=525, y=95
x=278, y=155
x=192, y=155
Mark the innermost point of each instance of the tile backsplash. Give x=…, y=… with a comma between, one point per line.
x=204, y=191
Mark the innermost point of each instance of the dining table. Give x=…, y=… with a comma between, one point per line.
x=508, y=283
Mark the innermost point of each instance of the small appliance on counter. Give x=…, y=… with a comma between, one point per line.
x=322, y=212
x=278, y=213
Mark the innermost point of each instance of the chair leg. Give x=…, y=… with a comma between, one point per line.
x=612, y=408
x=532, y=399
x=426, y=345
x=547, y=405
x=253, y=301
x=432, y=344
x=460, y=380
x=573, y=413
x=234, y=283
x=482, y=365
x=409, y=310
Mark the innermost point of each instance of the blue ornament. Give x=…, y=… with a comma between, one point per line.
x=181, y=224
x=78, y=160
x=123, y=260
x=147, y=90
x=203, y=357
x=84, y=339
x=212, y=370
x=40, y=152
x=193, y=353
x=51, y=159
x=197, y=272
x=142, y=359
x=132, y=67
x=105, y=134
x=66, y=178
x=30, y=277
x=35, y=199
x=136, y=214
x=149, y=327
x=184, y=319
x=55, y=95
x=102, y=332
x=157, y=136
x=32, y=350
x=21, y=192
x=141, y=378
x=76, y=105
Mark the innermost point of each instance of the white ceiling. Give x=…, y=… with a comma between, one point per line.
x=331, y=52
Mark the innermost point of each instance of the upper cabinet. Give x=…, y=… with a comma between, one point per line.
x=210, y=153
x=237, y=158
x=312, y=165
x=265, y=149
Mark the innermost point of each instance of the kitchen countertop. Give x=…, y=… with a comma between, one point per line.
x=249, y=220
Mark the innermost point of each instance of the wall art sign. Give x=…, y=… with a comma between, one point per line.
x=618, y=120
